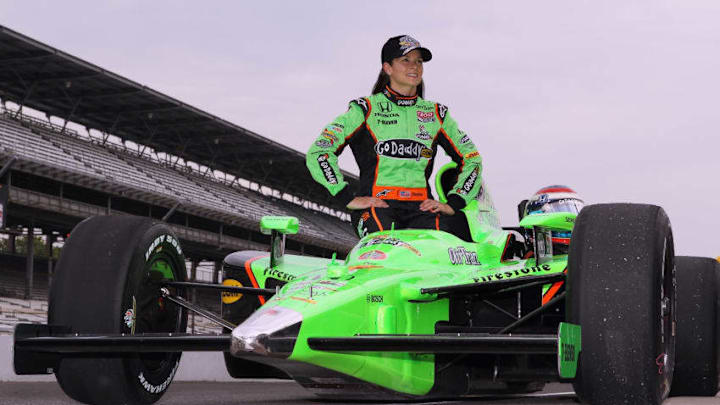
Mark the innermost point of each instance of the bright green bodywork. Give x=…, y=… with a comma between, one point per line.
x=368, y=294
x=377, y=290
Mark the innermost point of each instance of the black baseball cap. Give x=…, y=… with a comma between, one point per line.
x=400, y=45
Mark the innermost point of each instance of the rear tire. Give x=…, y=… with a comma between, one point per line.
x=106, y=282
x=622, y=293
x=696, y=367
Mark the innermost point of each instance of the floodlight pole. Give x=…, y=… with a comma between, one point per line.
x=171, y=212
x=7, y=166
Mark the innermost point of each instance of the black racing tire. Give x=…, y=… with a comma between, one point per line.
x=696, y=366
x=106, y=282
x=621, y=291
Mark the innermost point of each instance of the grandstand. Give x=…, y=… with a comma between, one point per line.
x=77, y=140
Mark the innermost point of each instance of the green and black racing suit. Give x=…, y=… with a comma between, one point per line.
x=394, y=140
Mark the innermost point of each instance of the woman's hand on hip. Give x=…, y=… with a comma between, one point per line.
x=436, y=206
x=359, y=203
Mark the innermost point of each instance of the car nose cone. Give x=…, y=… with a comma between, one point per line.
x=269, y=332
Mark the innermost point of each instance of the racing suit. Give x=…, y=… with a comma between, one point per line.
x=394, y=140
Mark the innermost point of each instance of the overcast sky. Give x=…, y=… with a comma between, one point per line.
x=617, y=99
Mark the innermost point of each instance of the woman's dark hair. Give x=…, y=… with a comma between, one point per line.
x=384, y=80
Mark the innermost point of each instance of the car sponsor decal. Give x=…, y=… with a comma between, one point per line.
x=323, y=143
x=156, y=389
x=160, y=239
x=442, y=111
x=228, y=297
x=501, y=275
x=363, y=104
x=385, y=107
x=472, y=155
x=333, y=130
x=406, y=101
x=386, y=115
x=327, y=170
x=403, y=149
x=426, y=116
x=423, y=134
x=387, y=122
x=374, y=299
x=330, y=139
x=280, y=275
x=373, y=255
x=460, y=255
x=362, y=230
x=386, y=240
x=407, y=42
x=465, y=138
x=130, y=316
x=363, y=267
x=469, y=182
x=309, y=301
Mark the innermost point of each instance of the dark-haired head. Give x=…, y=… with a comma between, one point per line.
x=401, y=46
x=384, y=80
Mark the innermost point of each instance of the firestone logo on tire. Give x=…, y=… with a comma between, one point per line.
x=160, y=239
x=156, y=389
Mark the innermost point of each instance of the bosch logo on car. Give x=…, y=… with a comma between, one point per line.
x=403, y=149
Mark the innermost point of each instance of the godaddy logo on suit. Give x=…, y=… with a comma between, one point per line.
x=469, y=182
x=328, y=171
x=403, y=149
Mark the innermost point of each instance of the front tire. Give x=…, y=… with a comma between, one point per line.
x=696, y=369
x=107, y=282
x=621, y=292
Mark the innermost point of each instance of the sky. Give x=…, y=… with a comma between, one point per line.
x=617, y=99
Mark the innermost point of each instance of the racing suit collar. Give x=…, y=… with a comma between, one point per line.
x=398, y=98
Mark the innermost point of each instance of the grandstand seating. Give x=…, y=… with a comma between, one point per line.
x=66, y=152
x=21, y=141
x=17, y=310
x=38, y=143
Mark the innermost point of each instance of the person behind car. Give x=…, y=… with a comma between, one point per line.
x=394, y=135
x=555, y=198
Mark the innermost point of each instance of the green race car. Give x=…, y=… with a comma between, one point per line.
x=409, y=314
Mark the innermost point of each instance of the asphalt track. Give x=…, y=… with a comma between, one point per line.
x=279, y=392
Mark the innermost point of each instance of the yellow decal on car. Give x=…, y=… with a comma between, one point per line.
x=229, y=297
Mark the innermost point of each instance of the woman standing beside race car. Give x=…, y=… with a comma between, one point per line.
x=394, y=135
